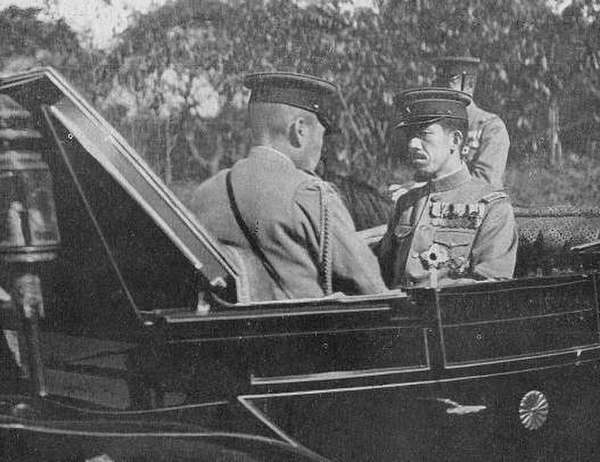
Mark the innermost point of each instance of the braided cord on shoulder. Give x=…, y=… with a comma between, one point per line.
x=325, y=263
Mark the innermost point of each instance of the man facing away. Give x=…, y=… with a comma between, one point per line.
x=487, y=141
x=455, y=228
x=286, y=227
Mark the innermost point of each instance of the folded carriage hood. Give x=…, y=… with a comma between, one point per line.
x=47, y=90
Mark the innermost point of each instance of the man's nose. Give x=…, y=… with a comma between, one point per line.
x=414, y=143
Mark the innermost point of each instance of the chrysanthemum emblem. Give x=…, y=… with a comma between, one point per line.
x=435, y=257
x=533, y=410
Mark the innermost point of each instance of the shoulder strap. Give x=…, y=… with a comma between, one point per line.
x=271, y=271
x=490, y=117
x=494, y=196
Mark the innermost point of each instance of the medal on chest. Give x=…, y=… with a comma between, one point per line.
x=456, y=215
x=450, y=234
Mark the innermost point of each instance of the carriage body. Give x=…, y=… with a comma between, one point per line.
x=139, y=363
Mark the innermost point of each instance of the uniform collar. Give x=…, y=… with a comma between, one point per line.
x=472, y=107
x=271, y=152
x=450, y=181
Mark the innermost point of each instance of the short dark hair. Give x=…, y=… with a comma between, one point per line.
x=462, y=126
x=451, y=124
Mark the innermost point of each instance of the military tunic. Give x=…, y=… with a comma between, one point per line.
x=457, y=226
x=488, y=145
x=281, y=205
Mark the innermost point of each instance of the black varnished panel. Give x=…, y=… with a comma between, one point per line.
x=339, y=351
x=543, y=298
x=499, y=340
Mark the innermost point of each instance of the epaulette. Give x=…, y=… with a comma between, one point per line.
x=326, y=187
x=485, y=123
x=482, y=116
x=331, y=187
x=320, y=182
x=494, y=196
x=489, y=118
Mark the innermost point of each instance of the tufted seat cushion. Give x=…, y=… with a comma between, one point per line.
x=546, y=235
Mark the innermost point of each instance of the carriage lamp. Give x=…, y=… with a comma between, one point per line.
x=29, y=237
x=29, y=231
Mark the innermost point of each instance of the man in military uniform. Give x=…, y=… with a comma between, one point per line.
x=455, y=228
x=286, y=227
x=487, y=144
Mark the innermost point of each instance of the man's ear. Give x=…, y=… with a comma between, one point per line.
x=297, y=132
x=457, y=139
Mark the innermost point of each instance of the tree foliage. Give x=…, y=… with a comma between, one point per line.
x=173, y=83
x=27, y=42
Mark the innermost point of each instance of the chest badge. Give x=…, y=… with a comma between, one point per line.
x=433, y=258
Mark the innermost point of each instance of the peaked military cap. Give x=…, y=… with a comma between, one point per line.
x=299, y=90
x=429, y=104
x=456, y=65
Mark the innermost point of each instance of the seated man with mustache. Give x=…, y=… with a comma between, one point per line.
x=455, y=228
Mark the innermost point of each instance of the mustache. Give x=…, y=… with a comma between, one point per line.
x=417, y=154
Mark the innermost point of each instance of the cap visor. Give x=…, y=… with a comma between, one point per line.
x=412, y=123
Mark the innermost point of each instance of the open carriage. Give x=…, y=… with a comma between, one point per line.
x=143, y=350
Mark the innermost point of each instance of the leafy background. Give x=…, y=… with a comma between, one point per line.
x=171, y=83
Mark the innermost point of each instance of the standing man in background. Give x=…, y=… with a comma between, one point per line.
x=487, y=144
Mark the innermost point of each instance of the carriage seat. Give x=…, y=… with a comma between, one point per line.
x=548, y=234
x=546, y=238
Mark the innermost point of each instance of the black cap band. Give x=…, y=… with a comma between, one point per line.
x=301, y=98
x=302, y=91
x=428, y=105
